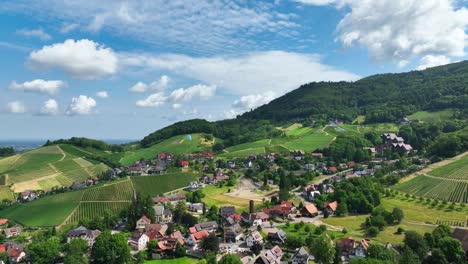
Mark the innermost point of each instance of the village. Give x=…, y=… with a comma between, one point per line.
x=178, y=225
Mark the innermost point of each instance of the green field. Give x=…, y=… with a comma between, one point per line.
x=215, y=196
x=455, y=170
x=175, y=145
x=448, y=182
x=251, y=145
x=243, y=153
x=431, y=116
x=158, y=184
x=6, y=193
x=310, y=142
x=30, y=165
x=47, y=211
x=120, y=191
x=295, y=130
x=72, y=170
x=89, y=210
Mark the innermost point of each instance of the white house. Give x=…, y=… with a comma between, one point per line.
x=143, y=222
x=254, y=238
x=138, y=241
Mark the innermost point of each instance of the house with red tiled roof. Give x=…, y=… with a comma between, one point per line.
x=331, y=207
x=195, y=238
x=361, y=249
x=346, y=246
x=332, y=169
x=143, y=222
x=309, y=210
x=3, y=221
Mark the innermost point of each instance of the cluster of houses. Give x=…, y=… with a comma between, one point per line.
x=14, y=250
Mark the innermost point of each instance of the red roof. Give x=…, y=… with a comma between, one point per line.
x=334, y=169
x=146, y=219
x=287, y=204
x=161, y=200
x=332, y=206
x=3, y=221
x=192, y=230
x=196, y=237
x=3, y=248
x=311, y=209
x=236, y=217
x=184, y=163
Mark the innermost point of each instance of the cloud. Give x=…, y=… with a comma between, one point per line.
x=67, y=28
x=102, y=94
x=429, y=61
x=276, y=71
x=81, y=105
x=38, y=33
x=50, y=107
x=207, y=27
x=83, y=59
x=40, y=86
x=400, y=30
x=198, y=91
x=176, y=106
x=16, y=107
x=159, y=85
x=153, y=100
x=316, y=2
x=252, y=101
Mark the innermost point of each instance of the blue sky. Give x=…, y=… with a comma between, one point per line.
x=122, y=69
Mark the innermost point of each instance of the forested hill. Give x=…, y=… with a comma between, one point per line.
x=381, y=98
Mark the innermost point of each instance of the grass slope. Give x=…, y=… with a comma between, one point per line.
x=158, y=184
x=175, y=145
x=431, y=116
x=310, y=142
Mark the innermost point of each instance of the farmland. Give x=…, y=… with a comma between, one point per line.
x=176, y=145
x=310, y=142
x=448, y=182
x=431, y=116
x=158, y=184
x=119, y=191
x=47, y=211
x=256, y=144
x=89, y=210
x=243, y=153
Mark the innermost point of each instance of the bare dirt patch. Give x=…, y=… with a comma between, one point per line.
x=246, y=189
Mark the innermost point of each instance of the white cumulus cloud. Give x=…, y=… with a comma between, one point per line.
x=400, y=30
x=252, y=101
x=16, y=107
x=81, y=105
x=38, y=33
x=198, y=91
x=40, y=86
x=83, y=59
x=159, y=85
x=50, y=107
x=153, y=100
x=429, y=61
x=277, y=71
x=102, y=94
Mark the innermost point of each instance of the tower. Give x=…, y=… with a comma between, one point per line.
x=251, y=206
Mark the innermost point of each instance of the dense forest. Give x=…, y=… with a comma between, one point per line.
x=85, y=143
x=381, y=98
x=6, y=152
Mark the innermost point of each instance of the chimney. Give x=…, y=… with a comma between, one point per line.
x=251, y=207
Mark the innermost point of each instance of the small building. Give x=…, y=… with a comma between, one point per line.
x=346, y=246
x=309, y=210
x=278, y=237
x=3, y=221
x=361, y=249
x=14, y=251
x=331, y=207
x=195, y=238
x=138, y=241
x=142, y=222
x=270, y=256
x=254, y=238
x=86, y=234
x=301, y=256
x=162, y=215
x=195, y=207
x=184, y=163
x=233, y=233
x=227, y=211
x=12, y=231
x=210, y=227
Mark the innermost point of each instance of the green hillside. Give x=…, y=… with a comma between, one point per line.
x=180, y=144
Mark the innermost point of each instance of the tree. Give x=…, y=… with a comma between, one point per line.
x=373, y=231
x=440, y=232
x=397, y=215
x=408, y=257
x=417, y=243
x=230, y=259
x=452, y=249
x=377, y=251
x=436, y=257
x=75, y=252
x=322, y=249
x=43, y=252
x=180, y=250
x=210, y=243
x=342, y=209
x=111, y=249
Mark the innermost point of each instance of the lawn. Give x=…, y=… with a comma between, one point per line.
x=310, y=142
x=159, y=184
x=184, y=260
x=431, y=116
x=181, y=144
x=216, y=196
x=47, y=211
x=6, y=193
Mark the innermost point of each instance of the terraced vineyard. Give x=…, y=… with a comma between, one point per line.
x=121, y=191
x=448, y=182
x=158, y=184
x=89, y=210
